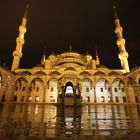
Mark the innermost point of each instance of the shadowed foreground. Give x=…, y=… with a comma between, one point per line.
x=48, y=122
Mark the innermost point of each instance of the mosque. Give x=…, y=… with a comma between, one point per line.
x=70, y=78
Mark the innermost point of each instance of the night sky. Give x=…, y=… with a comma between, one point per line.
x=57, y=24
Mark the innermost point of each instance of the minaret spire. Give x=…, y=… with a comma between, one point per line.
x=115, y=13
x=44, y=56
x=70, y=48
x=97, y=57
x=26, y=11
x=17, y=54
x=123, y=54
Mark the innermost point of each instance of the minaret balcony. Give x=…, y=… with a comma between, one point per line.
x=118, y=29
x=16, y=53
x=123, y=55
x=22, y=29
x=120, y=42
x=20, y=40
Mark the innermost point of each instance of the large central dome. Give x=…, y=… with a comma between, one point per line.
x=71, y=57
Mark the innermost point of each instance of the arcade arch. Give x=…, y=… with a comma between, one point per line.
x=36, y=90
x=103, y=94
x=118, y=91
x=21, y=88
x=69, y=90
x=6, y=86
x=87, y=91
x=51, y=92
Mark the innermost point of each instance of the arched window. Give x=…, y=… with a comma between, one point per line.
x=20, y=84
x=36, y=85
x=8, y=81
x=103, y=91
x=118, y=85
x=69, y=90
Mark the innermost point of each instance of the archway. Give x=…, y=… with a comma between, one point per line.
x=87, y=91
x=133, y=96
x=51, y=91
x=103, y=91
x=36, y=91
x=6, y=88
x=118, y=91
x=69, y=90
x=20, y=90
x=69, y=96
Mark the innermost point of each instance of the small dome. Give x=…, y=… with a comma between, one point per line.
x=52, y=54
x=52, y=57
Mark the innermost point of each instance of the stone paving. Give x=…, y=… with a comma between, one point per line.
x=48, y=122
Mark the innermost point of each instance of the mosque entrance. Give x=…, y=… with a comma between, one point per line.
x=69, y=97
x=69, y=90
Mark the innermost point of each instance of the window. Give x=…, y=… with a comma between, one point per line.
x=101, y=89
x=117, y=99
x=29, y=98
x=122, y=89
x=52, y=99
x=87, y=89
x=23, y=89
x=15, y=98
x=52, y=89
x=124, y=99
x=115, y=89
x=36, y=99
x=88, y=99
x=3, y=98
x=37, y=89
x=109, y=98
x=22, y=99
x=136, y=99
x=102, y=99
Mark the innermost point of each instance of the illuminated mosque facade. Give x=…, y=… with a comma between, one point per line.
x=70, y=78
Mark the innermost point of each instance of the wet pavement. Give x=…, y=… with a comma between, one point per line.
x=90, y=122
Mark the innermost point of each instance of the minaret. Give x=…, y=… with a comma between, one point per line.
x=123, y=54
x=17, y=54
x=43, y=59
x=70, y=48
x=97, y=58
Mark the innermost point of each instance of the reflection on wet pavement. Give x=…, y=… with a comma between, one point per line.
x=48, y=122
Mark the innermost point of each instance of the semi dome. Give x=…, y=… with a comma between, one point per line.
x=39, y=66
